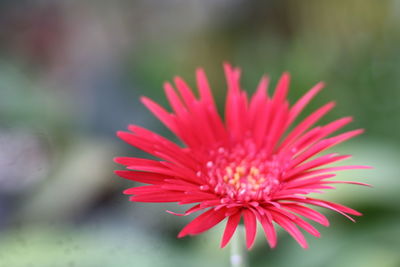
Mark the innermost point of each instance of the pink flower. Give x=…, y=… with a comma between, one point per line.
x=249, y=166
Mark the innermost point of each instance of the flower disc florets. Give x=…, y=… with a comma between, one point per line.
x=242, y=173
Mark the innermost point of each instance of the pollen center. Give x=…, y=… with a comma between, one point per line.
x=242, y=173
x=244, y=177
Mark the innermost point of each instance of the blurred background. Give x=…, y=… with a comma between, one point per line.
x=71, y=73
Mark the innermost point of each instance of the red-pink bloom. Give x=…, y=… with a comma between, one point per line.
x=249, y=166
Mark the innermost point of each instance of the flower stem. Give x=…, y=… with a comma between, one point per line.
x=238, y=249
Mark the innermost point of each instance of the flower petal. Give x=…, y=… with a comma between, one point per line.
x=250, y=224
x=307, y=212
x=142, y=177
x=203, y=222
x=265, y=219
x=230, y=228
x=303, y=101
x=291, y=228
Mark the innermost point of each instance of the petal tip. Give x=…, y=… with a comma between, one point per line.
x=223, y=244
x=144, y=99
x=119, y=134
x=118, y=160
x=200, y=71
x=127, y=191
x=181, y=234
x=118, y=172
x=272, y=245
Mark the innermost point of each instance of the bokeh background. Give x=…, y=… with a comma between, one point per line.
x=71, y=73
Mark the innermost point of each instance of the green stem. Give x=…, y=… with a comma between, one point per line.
x=238, y=248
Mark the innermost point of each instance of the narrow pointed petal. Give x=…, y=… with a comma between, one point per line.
x=258, y=99
x=161, y=196
x=282, y=88
x=332, y=206
x=174, y=100
x=160, y=113
x=155, y=145
x=308, y=213
x=142, y=177
x=326, y=144
x=307, y=123
x=230, y=228
x=204, y=89
x=185, y=91
x=349, y=182
x=318, y=162
x=250, y=224
x=203, y=222
x=291, y=228
x=188, y=212
x=265, y=219
x=303, y=101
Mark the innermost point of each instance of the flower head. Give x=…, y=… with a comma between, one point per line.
x=248, y=166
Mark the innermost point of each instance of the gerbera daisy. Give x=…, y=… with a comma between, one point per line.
x=248, y=166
